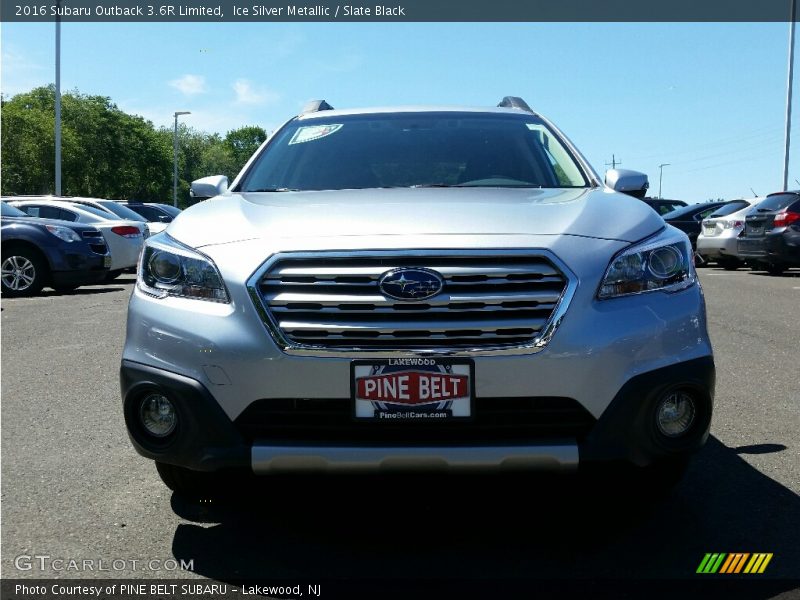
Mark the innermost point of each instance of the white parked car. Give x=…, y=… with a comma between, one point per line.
x=124, y=237
x=121, y=211
x=719, y=236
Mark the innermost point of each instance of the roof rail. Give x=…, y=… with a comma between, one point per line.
x=315, y=106
x=515, y=102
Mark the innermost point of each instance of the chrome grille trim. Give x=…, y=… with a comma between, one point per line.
x=494, y=302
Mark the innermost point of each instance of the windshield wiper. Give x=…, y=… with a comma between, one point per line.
x=272, y=189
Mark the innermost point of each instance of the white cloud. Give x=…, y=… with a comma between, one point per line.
x=219, y=119
x=190, y=85
x=21, y=73
x=247, y=94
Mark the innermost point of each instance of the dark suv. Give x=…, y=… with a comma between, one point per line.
x=40, y=252
x=771, y=236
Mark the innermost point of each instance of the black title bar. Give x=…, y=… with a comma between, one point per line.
x=396, y=11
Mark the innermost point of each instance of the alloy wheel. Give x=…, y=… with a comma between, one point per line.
x=18, y=273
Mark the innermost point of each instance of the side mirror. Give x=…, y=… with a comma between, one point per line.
x=208, y=187
x=628, y=182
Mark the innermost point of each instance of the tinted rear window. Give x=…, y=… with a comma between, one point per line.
x=148, y=212
x=688, y=211
x=96, y=212
x=170, y=210
x=777, y=202
x=123, y=211
x=729, y=209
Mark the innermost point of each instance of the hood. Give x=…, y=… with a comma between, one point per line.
x=594, y=213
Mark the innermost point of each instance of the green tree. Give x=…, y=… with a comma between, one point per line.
x=107, y=152
x=243, y=142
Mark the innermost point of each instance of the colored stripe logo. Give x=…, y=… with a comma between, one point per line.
x=736, y=562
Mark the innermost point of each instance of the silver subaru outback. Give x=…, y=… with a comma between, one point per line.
x=416, y=288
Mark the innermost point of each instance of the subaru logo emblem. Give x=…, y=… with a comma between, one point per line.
x=411, y=284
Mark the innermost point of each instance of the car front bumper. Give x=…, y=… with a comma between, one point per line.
x=207, y=440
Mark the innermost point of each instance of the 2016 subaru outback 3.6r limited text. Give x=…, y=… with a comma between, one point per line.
x=416, y=288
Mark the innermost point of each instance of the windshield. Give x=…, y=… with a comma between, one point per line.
x=413, y=149
x=123, y=211
x=10, y=211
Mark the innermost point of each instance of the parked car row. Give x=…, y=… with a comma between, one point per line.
x=762, y=233
x=66, y=242
x=771, y=236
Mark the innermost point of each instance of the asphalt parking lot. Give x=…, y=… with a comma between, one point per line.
x=73, y=487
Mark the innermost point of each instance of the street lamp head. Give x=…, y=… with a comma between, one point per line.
x=182, y=112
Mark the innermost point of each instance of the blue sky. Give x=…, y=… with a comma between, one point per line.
x=707, y=98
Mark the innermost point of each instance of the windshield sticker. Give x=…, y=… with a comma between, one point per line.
x=313, y=132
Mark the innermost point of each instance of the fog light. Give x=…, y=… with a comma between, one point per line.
x=675, y=414
x=158, y=415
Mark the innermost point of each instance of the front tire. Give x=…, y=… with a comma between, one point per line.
x=663, y=476
x=24, y=272
x=730, y=264
x=190, y=483
x=65, y=289
x=774, y=269
x=699, y=261
x=638, y=485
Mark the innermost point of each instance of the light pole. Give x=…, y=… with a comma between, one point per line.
x=789, y=97
x=175, y=164
x=660, y=174
x=58, y=102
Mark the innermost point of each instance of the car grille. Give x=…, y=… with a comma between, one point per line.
x=496, y=419
x=96, y=241
x=334, y=302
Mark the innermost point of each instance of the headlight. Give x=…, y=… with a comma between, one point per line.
x=168, y=268
x=64, y=233
x=662, y=262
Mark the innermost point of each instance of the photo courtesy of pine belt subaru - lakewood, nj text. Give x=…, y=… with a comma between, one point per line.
x=416, y=288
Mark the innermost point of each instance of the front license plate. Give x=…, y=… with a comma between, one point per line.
x=399, y=390
x=106, y=261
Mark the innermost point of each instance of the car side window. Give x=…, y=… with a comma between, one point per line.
x=665, y=208
x=43, y=212
x=66, y=215
x=152, y=214
x=705, y=213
